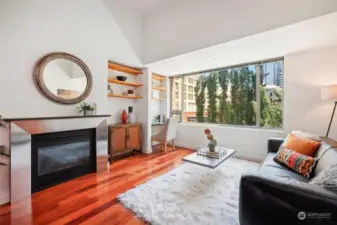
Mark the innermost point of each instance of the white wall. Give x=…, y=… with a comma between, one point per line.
x=144, y=109
x=183, y=26
x=249, y=143
x=32, y=28
x=304, y=75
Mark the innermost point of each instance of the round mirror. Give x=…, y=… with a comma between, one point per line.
x=63, y=78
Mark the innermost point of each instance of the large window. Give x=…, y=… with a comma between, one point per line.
x=249, y=95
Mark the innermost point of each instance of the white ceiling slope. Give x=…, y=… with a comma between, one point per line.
x=181, y=26
x=130, y=22
x=306, y=35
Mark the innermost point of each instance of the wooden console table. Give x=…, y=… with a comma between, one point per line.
x=124, y=139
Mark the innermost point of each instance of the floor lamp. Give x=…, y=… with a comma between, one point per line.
x=330, y=93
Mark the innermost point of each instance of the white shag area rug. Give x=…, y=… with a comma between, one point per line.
x=190, y=195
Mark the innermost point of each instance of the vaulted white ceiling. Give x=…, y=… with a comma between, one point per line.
x=160, y=29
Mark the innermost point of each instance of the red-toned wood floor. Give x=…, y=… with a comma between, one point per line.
x=91, y=199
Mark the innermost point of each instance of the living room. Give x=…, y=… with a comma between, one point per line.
x=287, y=46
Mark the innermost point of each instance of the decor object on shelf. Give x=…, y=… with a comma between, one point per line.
x=212, y=142
x=59, y=65
x=124, y=139
x=86, y=109
x=130, y=111
x=131, y=93
x=330, y=93
x=124, y=117
x=121, y=78
x=110, y=91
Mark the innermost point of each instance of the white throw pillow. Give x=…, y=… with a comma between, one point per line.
x=327, y=178
x=305, y=135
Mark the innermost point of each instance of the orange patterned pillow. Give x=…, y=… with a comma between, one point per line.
x=300, y=145
x=302, y=164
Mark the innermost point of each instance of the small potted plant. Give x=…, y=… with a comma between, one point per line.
x=86, y=109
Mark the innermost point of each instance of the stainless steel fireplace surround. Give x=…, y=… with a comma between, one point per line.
x=21, y=130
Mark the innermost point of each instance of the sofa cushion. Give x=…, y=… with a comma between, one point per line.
x=300, y=145
x=327, y=156
x=300, y=163
x=327, y=179
x=272, y=168
x=305, y=135
x=281, y=173
x=269, y=161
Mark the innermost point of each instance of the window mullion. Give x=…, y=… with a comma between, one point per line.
x=171, y=79
x=258, y=96
x=182, y=98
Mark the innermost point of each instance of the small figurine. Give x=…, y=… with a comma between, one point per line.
x=212, y=142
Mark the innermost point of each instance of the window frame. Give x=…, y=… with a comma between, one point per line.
x=258, y=97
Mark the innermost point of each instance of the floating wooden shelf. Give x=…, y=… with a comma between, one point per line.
x=125, y=69
x=158, y=77
x=124, y=83
x=124, y=96
x=158, y=88
x=159, y=99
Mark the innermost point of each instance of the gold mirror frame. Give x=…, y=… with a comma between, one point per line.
x=38, y=77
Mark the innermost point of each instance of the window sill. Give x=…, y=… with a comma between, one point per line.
x=231, y=126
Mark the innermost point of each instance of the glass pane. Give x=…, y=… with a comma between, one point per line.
x=228, y=96
x=176, y=93
x=271, y=91
x=189, y=100
x=237, y=98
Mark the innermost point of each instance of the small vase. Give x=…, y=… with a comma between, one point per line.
x=124, y=117
x=88, y=113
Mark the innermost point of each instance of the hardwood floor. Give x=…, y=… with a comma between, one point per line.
x=91, y=199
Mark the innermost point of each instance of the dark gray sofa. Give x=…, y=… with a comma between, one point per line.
x=275, y=194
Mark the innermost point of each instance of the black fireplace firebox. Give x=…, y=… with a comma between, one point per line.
x=61, y=156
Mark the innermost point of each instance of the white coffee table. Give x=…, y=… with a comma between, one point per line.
x=208, y=161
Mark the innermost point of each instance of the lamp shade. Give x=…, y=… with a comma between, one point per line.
x=329, y=92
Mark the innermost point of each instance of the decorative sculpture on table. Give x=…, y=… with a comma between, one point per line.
x=212, y=142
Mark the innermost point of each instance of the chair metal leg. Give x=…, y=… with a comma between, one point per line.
x=174, y=145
